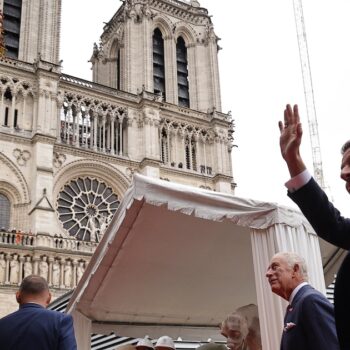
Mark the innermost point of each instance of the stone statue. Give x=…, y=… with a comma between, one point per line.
x=27, y=267
x=103, y=223
x=68, y=274
x=43, y=267
x=80, y=270
x=2, y=268
x=95, y=51
x=55, y=273
x=94, y=236
x=14, y=270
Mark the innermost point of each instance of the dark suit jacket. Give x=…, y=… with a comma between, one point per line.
x=309, y=323
x=32, y=327
x=331, y=226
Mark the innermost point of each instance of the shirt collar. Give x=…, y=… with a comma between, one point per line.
x=30, y=304
x=296, y=290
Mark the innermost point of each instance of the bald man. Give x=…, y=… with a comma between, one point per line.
x=32, y=326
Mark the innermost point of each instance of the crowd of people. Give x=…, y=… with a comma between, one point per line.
x=310, y=322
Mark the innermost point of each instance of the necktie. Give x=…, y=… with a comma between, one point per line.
x=288, y=309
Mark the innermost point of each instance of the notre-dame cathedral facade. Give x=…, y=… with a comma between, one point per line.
x=69, y=147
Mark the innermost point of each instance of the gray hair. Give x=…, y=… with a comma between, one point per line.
x=33, y=285
x=345, y=147
x=295, y=259
x=237, y=319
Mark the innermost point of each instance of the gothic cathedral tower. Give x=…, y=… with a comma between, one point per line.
x=69, y=147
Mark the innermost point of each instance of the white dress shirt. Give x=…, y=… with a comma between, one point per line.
x=298, y=181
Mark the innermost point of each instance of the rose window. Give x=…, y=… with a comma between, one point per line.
x=85, y=206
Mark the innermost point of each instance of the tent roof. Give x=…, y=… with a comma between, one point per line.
x=175, y=260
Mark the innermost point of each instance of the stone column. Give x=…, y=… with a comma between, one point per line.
x=21, y=260
x=174, y=145
x=184, y=150
x=170, y=69
x=112, y=134
x=94, y=146
x=205, y=155
x=103, y=133
x=59, y=110
x=7, y=271
x=20, y=119
x=2, y=109
x=117, y=135
x=168, y=146
x=49, y=278
x=36, y=260
x=77, y=129
x=74, y=284
x=121, y=136
x=62, y=263
x=12, y=114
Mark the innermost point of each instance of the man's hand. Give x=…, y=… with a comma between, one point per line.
x=290, y=140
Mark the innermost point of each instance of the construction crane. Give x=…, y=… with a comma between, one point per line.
x=309, y=93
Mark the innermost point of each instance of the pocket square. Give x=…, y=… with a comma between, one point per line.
x=288, y=326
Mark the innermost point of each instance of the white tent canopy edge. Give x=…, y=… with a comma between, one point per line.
x=271, y=228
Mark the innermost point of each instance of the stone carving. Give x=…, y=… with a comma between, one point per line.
x=55, y=273
x=27, y=267
x=14, y=270
x=21, y=156
x=2, y=268
x=94, y=234
x=68, y=274
x=43, y=267
x=137, y=9
x=104, y=221
x=130, y=172
x=58, y=159
x=195, y=3
x=80, y=270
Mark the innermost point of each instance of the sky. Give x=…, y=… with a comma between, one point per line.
x=259, y=73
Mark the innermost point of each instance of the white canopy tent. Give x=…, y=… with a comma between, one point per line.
x=176, y=260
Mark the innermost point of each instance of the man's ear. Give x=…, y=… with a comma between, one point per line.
x=296, y=268
x=48, y=299
x=18, y=297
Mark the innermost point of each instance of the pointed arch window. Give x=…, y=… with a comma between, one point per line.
x=164, y=146
x=158, y=63
x=182, y=73
x=191, y=153
x=5, y=212
x=194, y=154
x=12, y=26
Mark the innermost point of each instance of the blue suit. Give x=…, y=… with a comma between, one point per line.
x=332, y=227
x=309, y=322
x=32, y=327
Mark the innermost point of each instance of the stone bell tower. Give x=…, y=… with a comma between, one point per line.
x=32, y=27
x=162, y=46
x=69, y=147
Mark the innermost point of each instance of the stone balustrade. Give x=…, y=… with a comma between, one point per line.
x=22, y=239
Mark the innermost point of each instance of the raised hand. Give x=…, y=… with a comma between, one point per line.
x=290, y=140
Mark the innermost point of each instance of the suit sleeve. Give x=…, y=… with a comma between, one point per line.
x=322, y=215
x=319, y=323
x=67, y=336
